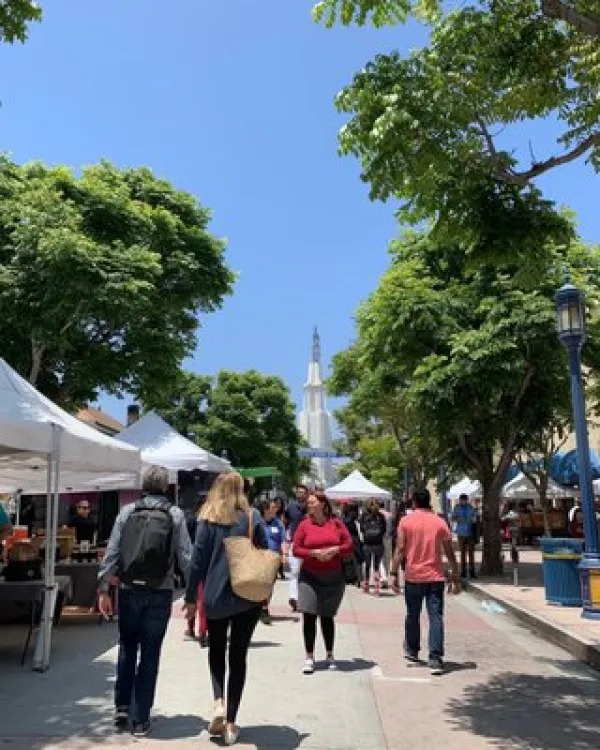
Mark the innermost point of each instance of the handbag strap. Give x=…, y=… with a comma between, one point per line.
x=251, y=526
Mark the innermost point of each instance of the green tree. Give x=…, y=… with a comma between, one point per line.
x=15, y=17
x=102, y=278
x=431, y=126
x=476, y=345
x=247, y=414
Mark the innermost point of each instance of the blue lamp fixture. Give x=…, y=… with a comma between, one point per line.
x=570, y=316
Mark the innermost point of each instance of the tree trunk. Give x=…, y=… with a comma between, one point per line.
x=37, y=353
x=543, y=491
x=492, y=541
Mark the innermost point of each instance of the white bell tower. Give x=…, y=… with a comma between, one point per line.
x=314, y=421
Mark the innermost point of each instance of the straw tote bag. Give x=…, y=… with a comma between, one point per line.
x=253, y=571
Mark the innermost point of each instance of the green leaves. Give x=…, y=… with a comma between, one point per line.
x=102, y=278
x=248, y=414
x=15, y=16
x=376, y=12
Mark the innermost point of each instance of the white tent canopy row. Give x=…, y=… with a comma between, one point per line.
x=466, y=486
x=161, y=445
x=522, y=488
x=39, y=444
x=356, y=487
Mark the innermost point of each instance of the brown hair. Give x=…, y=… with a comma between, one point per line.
x=324, y=500
x=372, y=506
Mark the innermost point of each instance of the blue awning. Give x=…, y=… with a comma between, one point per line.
x=564, y=467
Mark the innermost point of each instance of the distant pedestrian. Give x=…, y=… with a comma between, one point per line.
x=350, y=518
x=225, y=514
x=465, y=519
x=422, y=540
x=295, y=513
x=275, y=532
x=146, y=540
x=373, y=528
x=321, y=542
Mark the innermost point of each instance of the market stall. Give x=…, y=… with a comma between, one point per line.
x=357, y=487
x=42, y=448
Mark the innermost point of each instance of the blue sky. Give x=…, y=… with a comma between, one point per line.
x=233, y=101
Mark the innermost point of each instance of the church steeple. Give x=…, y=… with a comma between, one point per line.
x=316, y=347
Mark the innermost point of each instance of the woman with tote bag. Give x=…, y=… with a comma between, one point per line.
x=226, y=516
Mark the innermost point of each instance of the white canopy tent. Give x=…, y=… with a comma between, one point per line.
x=357, y=487
x=161, y=445
x=521, y=488
x=42, y=448
x=466, y=486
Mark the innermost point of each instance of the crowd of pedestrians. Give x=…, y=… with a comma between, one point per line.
x=324, y=551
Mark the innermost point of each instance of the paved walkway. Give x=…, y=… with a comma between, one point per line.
x=527, y=601
x=506, y=689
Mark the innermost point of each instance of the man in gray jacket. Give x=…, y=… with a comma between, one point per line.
x=147, y=539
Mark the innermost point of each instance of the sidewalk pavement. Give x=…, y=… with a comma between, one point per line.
x=505, y=688
x=526, y=601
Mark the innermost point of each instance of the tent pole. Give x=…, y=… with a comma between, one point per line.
x=41, y=658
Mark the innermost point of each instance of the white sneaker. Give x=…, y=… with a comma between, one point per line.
x=309, y=666
x=331, y=664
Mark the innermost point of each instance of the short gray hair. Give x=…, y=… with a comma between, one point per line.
x=155, y=481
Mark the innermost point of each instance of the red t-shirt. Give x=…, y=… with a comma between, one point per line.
x=310, y=536
x=423, y=534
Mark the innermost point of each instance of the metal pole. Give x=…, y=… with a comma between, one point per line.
x=583, y=451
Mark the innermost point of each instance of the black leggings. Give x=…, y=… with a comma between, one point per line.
x=373, y=557
x=242, y=628
x=310, y=632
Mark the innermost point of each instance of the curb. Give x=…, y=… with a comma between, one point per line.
x=583, y=650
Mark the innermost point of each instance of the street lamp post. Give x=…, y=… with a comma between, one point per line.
x=570, y=313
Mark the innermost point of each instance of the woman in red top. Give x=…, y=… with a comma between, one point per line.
x=321, y=541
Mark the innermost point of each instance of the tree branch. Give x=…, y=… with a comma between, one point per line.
x=584, y=22
x=522, y=178
x=468, y=453
x=487, y=136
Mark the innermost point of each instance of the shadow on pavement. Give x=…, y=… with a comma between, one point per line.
x=350, y=665
x=264, y=644
x=269, y=737
x=181, y=727
x=456, y=666
x=529, y=711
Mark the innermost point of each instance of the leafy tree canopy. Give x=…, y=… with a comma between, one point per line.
x=472, y=347
x=429, y=125
x=15, y=16
x=102, y=277
x=247, y=414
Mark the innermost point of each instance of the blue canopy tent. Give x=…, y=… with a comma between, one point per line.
x=564, y=468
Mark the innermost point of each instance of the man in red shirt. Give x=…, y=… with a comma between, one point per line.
x=423, y=537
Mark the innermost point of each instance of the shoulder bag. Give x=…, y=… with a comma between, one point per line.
x=252, y=571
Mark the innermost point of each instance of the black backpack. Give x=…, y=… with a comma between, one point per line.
x=146, y=546
x=373, y=527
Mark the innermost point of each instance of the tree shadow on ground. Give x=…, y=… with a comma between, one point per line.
x=269, y=737
x=530, y=576
x=184, y=726
x=530, y=711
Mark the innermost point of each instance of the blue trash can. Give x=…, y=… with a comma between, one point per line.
x=560, y=561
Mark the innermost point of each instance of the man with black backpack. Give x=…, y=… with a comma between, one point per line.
x=148, y=538
x=373, y=527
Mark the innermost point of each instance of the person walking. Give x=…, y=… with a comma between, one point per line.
x=465, y=519
x=373, y=527
x=148, y=537
x=294, y=515
x=225, y=514
x=423, y=537
x=190, y=634
x=350, y=518
x=321, y=542
x=275, y=532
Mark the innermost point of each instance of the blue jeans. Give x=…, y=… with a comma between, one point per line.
x=143, y=620
x=433, y=594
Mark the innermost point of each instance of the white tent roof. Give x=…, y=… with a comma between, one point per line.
x=522, y=487
x=356, y=487
x=161, y=445
x=466, y=486
x=88, y=459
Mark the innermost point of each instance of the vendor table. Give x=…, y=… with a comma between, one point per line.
x=30, y=593
x=84, y=578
